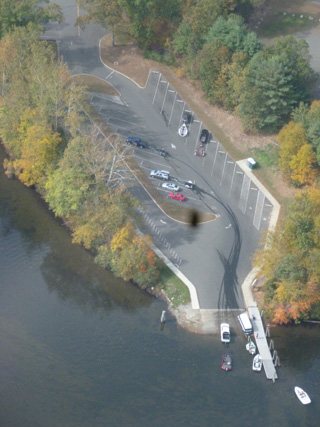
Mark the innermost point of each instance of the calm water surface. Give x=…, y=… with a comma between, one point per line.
x=79, y=347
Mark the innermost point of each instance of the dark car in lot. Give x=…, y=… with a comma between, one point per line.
x=137, y=142
x=186, y=117
x=204, y=136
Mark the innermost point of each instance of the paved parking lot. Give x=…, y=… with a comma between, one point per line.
x=230, y=181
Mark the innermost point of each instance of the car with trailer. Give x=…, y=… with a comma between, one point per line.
x=137, y=142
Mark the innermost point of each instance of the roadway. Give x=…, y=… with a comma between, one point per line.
x=215, y=257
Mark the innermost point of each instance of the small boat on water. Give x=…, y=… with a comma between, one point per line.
x=183, y=130
x=251, y=347
x=302, y=395
x=257, y=363
x=226, y=362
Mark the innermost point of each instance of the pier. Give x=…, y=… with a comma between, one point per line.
x=262, y=343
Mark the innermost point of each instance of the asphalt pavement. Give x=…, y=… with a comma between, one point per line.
x=216, y=256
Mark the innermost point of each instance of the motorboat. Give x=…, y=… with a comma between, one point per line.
x=226, y=362
x=251, y=347
x=302, y=395
x=183, y=130
x=225, y=332
x=257, y=363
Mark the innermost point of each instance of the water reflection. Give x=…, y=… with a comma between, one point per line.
x=67, y=269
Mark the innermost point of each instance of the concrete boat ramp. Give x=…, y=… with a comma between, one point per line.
x=262, y=343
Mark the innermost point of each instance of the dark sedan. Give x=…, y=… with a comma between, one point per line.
x=204, y=136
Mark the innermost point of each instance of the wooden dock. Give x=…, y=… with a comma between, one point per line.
x=262, y=343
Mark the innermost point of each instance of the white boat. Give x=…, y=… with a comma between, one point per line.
x=302, y=396
x=257, y=363
x=183, y=130
x=251, y=347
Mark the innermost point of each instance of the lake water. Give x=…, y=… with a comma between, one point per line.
x=79, y=347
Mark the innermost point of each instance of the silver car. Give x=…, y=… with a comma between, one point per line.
x=170, y=186
x=160, y=174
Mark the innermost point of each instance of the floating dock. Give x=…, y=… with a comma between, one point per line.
x=262, y=343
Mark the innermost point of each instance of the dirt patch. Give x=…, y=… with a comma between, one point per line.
x=227, y=128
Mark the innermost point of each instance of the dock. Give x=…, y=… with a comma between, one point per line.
x=262, y=343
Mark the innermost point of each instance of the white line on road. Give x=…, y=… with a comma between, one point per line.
x=109, y=75
x=228, y=226
x=163, y=222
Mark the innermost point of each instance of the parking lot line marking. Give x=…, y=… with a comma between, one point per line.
x=155, y=93
x=180, y=100
x=174, y=101
x=224, y=166
x=244, y=195
x=164, y=99
x=172, y=91
x=214, y=161
x=163, y=81
x=156, y=72
x=230, y=161
x=109, y=75
x=268, y=205
x=240, y=172
x=221, y=152
x=196, y=121
x=234, y=169
x=253, y=188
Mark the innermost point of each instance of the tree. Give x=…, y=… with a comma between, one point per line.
x=19, y=13
x=303, y=166
x=209, y=64
x=39, y=155
x=291, y=137
x=269, y=95
x=67, y=186
x=234, y=34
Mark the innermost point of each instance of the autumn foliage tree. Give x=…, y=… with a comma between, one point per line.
x=290, y=262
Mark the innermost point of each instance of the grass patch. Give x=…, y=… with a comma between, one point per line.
x=279, y=24
x=176, y=291
x=265, y=158
x=94, y=84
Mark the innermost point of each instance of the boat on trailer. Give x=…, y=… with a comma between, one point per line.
x=302, y=396
x=257, y=363
x=226, y=362
x=183, y=130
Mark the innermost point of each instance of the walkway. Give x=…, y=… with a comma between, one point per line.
x=262, y=343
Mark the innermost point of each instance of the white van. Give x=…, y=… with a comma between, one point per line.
x=245, y=323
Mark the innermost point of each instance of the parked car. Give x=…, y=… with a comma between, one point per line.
x=137, y=142
x=225, y=332
x=186, y=117
x=162, y=152
x=204, y=136
x=170, y=186
x=177, y=196
x=160, y=174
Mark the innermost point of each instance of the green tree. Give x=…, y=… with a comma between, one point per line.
x=234, y=34
x=19, y=13
x=209, y=64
